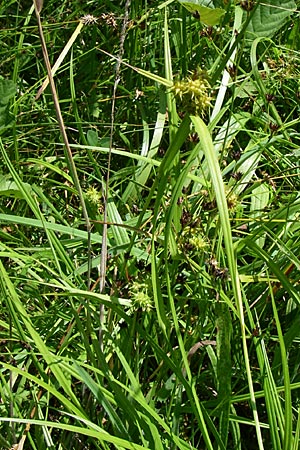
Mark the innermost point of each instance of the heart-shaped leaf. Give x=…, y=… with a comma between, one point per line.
x=269, y=17
x=209, y=15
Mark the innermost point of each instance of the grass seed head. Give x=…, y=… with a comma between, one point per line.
x=193, y=94
x=140, y=297
x=93, y=195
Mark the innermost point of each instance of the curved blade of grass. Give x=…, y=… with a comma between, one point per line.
x=219, y=189
x=99, y=434
x=136, y=392
x=198, y=411
x=68, y=230
x=20, y=316
x=120, y=152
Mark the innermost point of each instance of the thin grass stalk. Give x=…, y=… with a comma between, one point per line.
x=103, y=259
x=288, y=413
x=38, y=7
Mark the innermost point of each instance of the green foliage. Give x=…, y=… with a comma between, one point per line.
x=7, y=91
x=268, y=18
x=192, y=342
x=206, y=11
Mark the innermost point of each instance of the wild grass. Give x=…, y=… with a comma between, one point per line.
x=185, y=334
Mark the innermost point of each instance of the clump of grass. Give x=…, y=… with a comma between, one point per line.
x=179, y=347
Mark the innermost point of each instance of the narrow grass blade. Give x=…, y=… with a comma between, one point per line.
x=224, y=327
x=219, y=190
x=259, y=200
x=288, y=412
x=171, y=103
x=61, y=58
x=20, y=316
x=145, y=73
x=100, y=435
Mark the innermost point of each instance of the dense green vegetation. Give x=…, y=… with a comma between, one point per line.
x=149, y=276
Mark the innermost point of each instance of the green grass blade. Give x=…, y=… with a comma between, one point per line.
x=288, y=412
x=171, y=104
x=219, y=190
x=20, y=314
x=97, y=433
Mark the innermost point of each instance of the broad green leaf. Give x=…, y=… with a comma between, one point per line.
x=269, y=17
x=92, y=137
x=9, y=188
x=209, y=15
x=7, y=91
x=259, y=200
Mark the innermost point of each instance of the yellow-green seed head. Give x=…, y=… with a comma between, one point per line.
x=193, y=94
